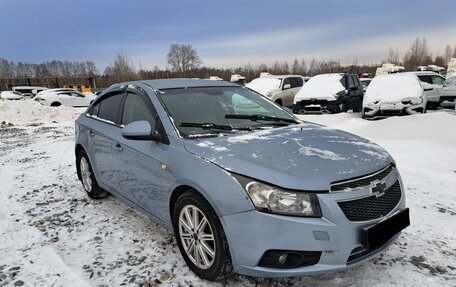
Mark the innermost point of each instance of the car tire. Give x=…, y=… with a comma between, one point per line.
x=186, y=207
x=279, y=102
x=87, y=177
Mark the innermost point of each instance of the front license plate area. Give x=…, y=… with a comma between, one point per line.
x=379, y=234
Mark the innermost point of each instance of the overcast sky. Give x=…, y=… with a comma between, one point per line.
x=225, y=33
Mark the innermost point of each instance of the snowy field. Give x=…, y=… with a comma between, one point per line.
x=51, y=234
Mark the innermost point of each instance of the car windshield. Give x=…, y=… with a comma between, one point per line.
x=211, y=111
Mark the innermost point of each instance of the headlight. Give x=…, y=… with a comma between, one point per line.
x=412, y=101
x=268, y=198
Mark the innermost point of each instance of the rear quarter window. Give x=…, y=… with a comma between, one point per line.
x=109, y=108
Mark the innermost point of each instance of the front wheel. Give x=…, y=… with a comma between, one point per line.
x=200, y=237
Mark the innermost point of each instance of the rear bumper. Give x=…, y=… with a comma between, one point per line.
x=316, y=106
x=341, y=242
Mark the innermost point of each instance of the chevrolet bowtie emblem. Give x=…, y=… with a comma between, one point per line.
x=378, y=189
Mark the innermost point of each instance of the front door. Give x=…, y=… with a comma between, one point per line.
x=141, y=159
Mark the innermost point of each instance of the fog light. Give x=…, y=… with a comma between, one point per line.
x=283, y=258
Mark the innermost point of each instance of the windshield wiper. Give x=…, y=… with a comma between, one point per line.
x=207, y=126
x=260, y=118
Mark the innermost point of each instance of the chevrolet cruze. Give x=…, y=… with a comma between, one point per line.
x=243, y=184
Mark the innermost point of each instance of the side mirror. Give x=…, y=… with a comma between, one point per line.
x=140, y=130
x=286, y=87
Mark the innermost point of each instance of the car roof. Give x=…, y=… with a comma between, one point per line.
x=179, y=83
x=431, y=73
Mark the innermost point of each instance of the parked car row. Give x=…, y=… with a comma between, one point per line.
x=50, y=97
x=340, y=92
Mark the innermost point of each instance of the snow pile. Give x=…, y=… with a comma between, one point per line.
x=324, y=86
x=393, y=88
x=264, y=85
x=32, y=112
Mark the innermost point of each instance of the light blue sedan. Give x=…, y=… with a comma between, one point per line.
x=242, y=183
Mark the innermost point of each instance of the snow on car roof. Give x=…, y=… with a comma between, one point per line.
x=264, y=85
x=323, y=85
x=393, y=88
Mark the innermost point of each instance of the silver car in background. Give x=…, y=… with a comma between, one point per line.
x=242, y=183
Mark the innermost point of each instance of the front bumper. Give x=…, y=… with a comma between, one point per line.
x=340, y=241
x=389, y=110
x=316, y=106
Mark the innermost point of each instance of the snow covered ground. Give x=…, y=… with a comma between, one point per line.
x=51, y=234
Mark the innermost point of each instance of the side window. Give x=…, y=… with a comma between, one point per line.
x=286, y=81
x=356, y=80
x=300, y=82
x=93, y=111
x=76, y=95
x=350, y=82
x=295, y=83
x=136, y=109
x=436, y=80
x=426, y=79
x=109, y=107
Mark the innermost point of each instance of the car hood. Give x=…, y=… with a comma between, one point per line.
x=305, y=156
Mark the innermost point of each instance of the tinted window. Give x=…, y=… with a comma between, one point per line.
x=296, y=82
x=350, y=82
x=356, y=81
x=436, y=80
x=109, y=108
x=136, y=109
x=426, y=79
x=286, y=81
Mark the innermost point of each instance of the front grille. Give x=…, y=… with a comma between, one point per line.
x=372, y=207
x=362, y=181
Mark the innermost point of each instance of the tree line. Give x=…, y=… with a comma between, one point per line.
x=183, y=61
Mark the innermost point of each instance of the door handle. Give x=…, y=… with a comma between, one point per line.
x=91, y=133
x=118, y=147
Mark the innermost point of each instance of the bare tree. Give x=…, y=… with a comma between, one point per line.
x=418, y=54
x=393, y=56
x=183, y=58
x=122, y=69
x=295, y=69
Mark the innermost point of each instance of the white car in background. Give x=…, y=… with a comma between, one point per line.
x=365, y=83
x=66, y=97
x=449, y=91
x=28, y=91
x=11, y=95
x=279, y=89
x=394, y=95
x=434, y=81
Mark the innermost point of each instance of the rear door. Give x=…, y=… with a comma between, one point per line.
x=79, y=100
x=104, y=136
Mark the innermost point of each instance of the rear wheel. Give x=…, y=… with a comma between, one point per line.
x=85, y=172
x=200, y=237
